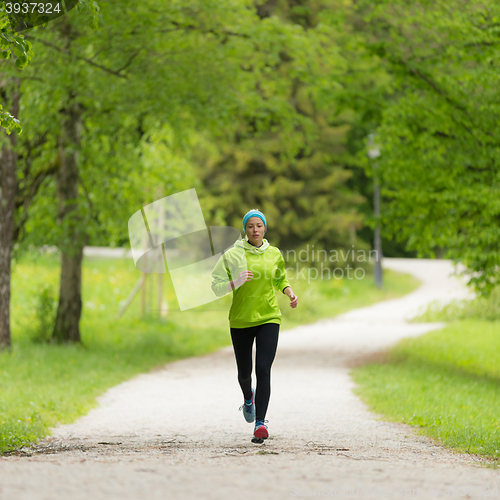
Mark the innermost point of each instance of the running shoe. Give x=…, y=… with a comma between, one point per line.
x=249, y=410
x=260, y=431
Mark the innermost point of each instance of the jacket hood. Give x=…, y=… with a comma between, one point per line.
x=250, y=248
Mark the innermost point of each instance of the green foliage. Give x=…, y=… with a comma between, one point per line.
x=438, y=127
x=45, y=313
x=12, y=43
x=9, y=122
x=173, y=73
x=289, y=160
x=91, y=8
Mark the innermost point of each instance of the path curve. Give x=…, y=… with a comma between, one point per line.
x=176, y=432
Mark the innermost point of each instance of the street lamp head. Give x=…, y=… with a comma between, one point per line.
x=373, y=149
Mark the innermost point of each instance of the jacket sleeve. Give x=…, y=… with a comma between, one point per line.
x=221, y=277
x=280, y=280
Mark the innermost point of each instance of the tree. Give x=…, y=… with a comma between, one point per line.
x=10, y=88
x=12, y=42
x=438, y=132
x=8, y=185
x=293, y=167
x=183, y=67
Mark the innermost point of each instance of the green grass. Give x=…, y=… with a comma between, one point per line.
x=446, y=383
x=45, y=384
x=479, y=308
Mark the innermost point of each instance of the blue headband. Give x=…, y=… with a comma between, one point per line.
x=254, y=213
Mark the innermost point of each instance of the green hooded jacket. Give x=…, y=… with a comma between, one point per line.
x=254, y=302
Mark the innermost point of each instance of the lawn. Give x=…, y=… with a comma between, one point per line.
x=446, y=383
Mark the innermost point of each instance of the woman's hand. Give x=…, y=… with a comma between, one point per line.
x=242, y=278
x=293, y=298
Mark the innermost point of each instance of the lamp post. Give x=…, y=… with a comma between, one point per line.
x=374, y=153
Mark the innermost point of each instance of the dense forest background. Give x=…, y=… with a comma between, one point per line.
x=256, y=104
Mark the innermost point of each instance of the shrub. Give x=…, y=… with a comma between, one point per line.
x=45, y=311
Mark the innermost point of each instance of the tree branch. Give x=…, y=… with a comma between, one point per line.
x=129, y=62
x=213, y=31
x=439, y=91
x=92, y=63
x=31, y=192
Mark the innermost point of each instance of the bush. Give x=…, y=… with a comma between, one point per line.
x=45, y=311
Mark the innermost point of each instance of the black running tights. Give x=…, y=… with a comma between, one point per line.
x=266, y=342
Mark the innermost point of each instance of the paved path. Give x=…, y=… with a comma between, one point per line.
x=176, y=432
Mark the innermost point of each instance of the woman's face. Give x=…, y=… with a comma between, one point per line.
x=255, y=231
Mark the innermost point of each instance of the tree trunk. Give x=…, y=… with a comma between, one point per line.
x=8, y=189
x=66, y=328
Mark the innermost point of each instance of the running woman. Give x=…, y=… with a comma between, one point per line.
x=254, y=313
